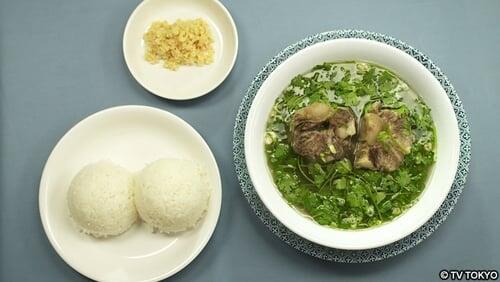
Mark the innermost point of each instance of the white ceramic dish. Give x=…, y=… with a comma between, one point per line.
x=131, y=136
x=186, y=82
x=419, y=78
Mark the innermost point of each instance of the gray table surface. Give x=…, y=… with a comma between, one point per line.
x=61, y=60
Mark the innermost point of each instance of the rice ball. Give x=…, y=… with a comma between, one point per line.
x=172, y=195
x=100, y=199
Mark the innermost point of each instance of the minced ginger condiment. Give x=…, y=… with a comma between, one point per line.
x=185, y=42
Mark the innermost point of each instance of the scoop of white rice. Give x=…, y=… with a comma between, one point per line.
x=172, y=195
x=100, y=199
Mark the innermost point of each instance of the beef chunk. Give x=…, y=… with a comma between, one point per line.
x=383, y=140
x=319, y=132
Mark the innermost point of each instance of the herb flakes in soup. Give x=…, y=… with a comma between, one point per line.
x=350, y=144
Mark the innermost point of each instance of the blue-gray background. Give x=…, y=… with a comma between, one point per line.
x=61, y=60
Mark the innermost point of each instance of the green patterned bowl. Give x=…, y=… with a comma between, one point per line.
x=444, y=184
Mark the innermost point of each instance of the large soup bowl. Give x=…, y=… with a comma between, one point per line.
x=418, y=78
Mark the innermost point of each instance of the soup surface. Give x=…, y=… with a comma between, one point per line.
x=350, y=144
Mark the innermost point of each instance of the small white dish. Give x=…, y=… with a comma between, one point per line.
x=411, y=71
x=188, y=81
x=131, y=136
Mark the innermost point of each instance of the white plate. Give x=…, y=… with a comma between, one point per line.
x=411, y=71
x=131, y=136
x=187, y=82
